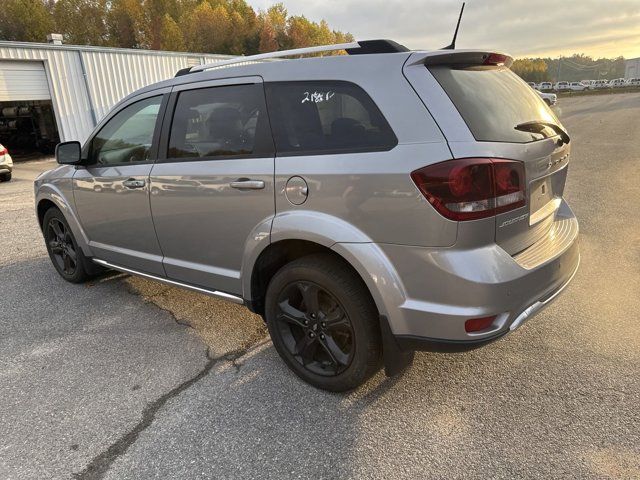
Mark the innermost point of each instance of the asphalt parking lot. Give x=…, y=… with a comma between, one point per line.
x=123, y=378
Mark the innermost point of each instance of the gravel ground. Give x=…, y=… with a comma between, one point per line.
x=558, y=398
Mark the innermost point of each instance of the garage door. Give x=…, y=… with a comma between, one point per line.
x=23, y=81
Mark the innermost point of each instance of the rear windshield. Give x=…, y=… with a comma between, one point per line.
x=493, y=100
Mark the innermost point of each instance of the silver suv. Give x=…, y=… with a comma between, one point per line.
x=366, y=205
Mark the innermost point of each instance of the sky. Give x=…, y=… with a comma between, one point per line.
x=522, y=28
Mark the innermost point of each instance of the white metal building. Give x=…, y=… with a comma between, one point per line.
x=78, y=84
x=632, y=68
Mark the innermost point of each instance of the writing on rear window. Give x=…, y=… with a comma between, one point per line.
x=317, y=97
x=325, y=117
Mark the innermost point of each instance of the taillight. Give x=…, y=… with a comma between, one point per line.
x=3, y=151
x=472, y=188
x=495, y=59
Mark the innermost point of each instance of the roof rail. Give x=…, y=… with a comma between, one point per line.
x=281, y=53
x=352, y=48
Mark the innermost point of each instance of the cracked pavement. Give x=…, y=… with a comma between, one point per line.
x=127, y=378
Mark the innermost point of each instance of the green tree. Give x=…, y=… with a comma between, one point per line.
x=170, y=35
x=25, y=20
x=82, y=22
x=126, y=24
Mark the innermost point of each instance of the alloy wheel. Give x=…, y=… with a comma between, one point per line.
x=61, y=246
x=315, y=328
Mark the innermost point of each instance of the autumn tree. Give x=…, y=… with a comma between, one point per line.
x=211, y=26
x=206, y=28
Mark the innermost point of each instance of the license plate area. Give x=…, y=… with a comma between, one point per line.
x=545, y=194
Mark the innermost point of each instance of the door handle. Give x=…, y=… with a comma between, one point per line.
x=246, y=184
x=133, y=183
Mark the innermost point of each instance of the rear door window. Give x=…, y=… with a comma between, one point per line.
x=220, y=122
x=492, y=100
x=325, y=117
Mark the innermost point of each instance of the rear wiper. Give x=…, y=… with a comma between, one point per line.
x=537, y=125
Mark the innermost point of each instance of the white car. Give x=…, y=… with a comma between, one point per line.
x=561, y=86
x=549, y=98
x=532, y=85
x=600, y=84
x=618, y=83
x=577, y=87
x=545, y=86
x=634, y=82
x=6, y=164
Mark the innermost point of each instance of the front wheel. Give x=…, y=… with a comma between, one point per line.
x=5, y=177
x=323, y=322
x=66, y=256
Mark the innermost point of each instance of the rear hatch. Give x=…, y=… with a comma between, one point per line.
x=487, y=111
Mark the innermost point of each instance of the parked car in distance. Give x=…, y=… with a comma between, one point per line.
x=533, y=85
x=587, y=83
x=6, y=164
x=577, y=87
x=330, y=201
x=600, y=84
x=561, y=86
x=549, y=98
x=633, y=82
x=618, y=83
x=545, y=86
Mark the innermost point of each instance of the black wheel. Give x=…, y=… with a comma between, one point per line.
x=323, y=322
x=5, y=177
x=66, y=256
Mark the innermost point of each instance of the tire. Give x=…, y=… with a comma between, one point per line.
x=63, y=248
x=548, y=102
x=6, y=177
x=324, y=323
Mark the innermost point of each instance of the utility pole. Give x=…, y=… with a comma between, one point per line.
x=559, y=63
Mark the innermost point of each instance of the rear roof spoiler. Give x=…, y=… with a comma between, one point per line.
x=461, y=57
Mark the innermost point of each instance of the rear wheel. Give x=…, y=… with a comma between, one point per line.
x=5, y=177
x=323, y=322
x=66, y=256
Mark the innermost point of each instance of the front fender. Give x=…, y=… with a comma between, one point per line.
x=60, y=191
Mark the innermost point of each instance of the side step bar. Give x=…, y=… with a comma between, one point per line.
x=213, y=293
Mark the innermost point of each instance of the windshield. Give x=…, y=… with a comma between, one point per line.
x=493, y=100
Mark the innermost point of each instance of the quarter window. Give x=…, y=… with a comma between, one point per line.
x=326, y=117
x=127, y=136
x=220, y=122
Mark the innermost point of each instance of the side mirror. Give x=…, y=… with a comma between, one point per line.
x=68, y=153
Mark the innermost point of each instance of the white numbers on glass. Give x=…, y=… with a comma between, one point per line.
x=317, y=97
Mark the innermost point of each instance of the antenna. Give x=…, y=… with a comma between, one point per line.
x=455, y=35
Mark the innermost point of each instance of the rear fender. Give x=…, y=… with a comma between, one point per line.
x=353, y=245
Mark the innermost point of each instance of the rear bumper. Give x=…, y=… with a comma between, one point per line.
x=446, y=287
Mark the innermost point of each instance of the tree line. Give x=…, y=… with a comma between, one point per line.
x=572, y=69
x=208, y=26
